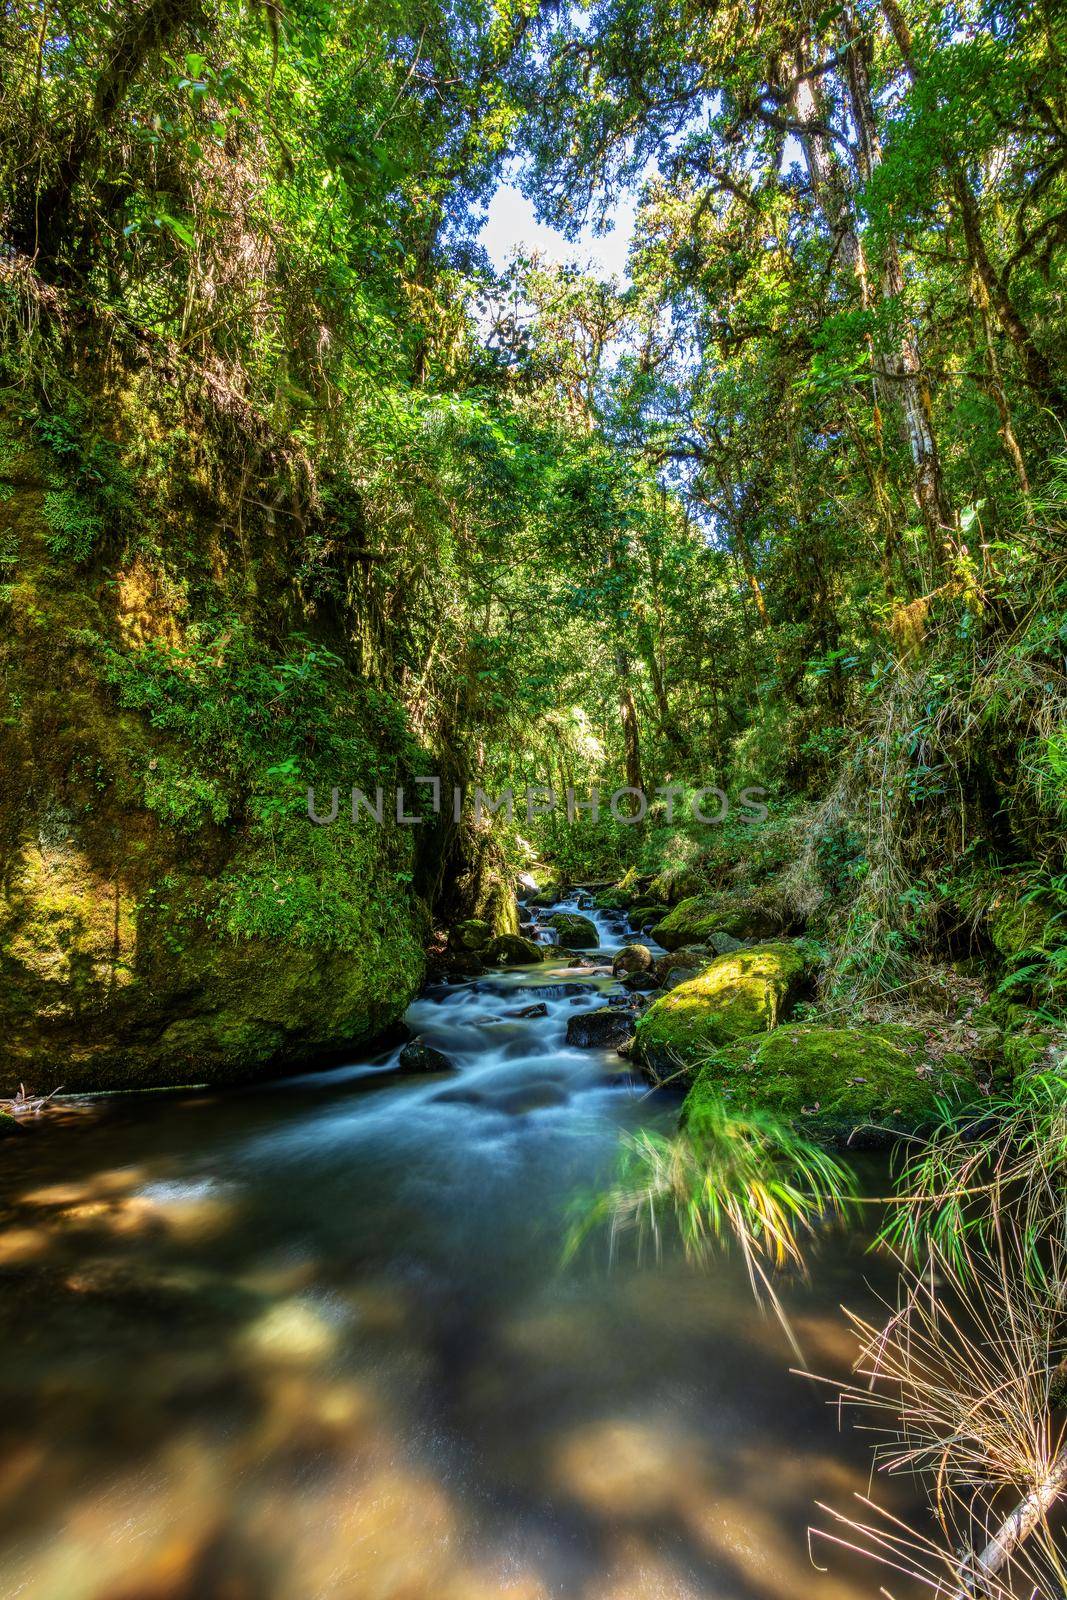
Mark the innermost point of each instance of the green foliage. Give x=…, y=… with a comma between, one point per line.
x=746, y=1179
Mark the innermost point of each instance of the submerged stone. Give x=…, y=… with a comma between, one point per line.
x=418, y=1056
x=612, y=1025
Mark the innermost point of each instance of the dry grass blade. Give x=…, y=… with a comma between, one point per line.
x=961, y=1382
x=25, y=1104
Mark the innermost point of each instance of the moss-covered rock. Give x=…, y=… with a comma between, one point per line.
x=677, y=966
x=622, y=895
x=696, y=919
x=549, y=887
x=676, y=883
x=512, y=950
x=832, y=1081
x=645, y=917
x=574, y=931
x=632, y=958
x=473, y=934
x=735, y=997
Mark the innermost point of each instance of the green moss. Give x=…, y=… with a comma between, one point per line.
x=1021, y=927
x=646, y=917
x=734, y=997
x=697, y=918
x=474, y=934
x=170, y=914
x=512, y=950
x=574, y=932
x=1024, y=1050
x=500, y=909
x=684, y=962
x=831, y=1081
x=675, y=883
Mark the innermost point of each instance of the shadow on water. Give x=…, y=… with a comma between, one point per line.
x=315, y=1340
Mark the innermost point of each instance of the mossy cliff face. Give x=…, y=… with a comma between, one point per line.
x=735, y=997
x=169, y=913
x=832, y=1081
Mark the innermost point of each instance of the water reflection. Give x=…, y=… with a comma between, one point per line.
x=315, y=1340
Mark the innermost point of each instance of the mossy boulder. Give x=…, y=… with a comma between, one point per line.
x=645, y=917
x=677, y=966
x=735, y=997
x=512, y=950
x=549, y=887
x=673, y=884
x=574, y=931
x=620, y=896
x=472, y=935
x=632, y=958
x=696, y=919
x=832, y=1081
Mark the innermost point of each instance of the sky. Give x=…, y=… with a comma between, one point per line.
x=512, y=225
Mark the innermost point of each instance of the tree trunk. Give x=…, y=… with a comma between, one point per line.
x=628, y=716
x=903, y=366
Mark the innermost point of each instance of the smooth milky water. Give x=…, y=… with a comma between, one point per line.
x=316, y=1340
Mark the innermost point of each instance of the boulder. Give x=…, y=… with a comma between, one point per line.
x=695, y=920
x=613, y=1025
x=679, y=965
x=735, y=997
x=645, y=917
x=418, y=1056
x=526, y=1012
x=640, y=983
x=574, y=932
x=832, y=1082
x=632, y=958
x=674, y=884
x=472, y=935
x=512, y=950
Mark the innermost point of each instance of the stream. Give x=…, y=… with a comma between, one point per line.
x=316, y=1339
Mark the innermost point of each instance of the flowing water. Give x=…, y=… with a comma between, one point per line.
x=316, y=1340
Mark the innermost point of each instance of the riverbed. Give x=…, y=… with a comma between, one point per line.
x=317, y=1339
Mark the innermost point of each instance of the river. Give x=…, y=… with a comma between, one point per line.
x=315, y=1339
